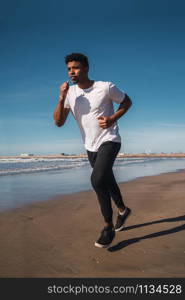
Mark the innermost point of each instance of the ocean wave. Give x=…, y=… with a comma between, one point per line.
x=30, y=160
x=132, y=161
x=34, y=165
x=39, y=169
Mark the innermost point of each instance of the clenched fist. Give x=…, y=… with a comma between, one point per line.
x=105, y=122
x=64, y=89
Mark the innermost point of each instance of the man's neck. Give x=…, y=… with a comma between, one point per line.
x=87, y=83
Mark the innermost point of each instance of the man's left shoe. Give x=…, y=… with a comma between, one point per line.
x=106, y=238
x=121, y=219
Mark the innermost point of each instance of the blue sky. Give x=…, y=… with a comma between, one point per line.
x=137, y=44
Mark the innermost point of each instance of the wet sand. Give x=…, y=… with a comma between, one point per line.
x=56, y=238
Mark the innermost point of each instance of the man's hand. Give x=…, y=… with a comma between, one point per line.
x=105, y=122
x=64, y=89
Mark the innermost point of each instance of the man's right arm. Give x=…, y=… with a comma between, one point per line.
x=61, y=112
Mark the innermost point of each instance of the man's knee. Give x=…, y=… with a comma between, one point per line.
x=98, y=180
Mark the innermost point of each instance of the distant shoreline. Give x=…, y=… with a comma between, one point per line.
x=58, y=156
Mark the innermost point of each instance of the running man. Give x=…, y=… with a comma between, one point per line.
x=91, y=103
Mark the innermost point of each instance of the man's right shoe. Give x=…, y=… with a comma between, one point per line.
x=121, y=219
x=106, y=237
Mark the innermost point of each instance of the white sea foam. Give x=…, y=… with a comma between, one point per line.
x=25, y=166
x=63, y=176
x=33, y=170
x=25, y=160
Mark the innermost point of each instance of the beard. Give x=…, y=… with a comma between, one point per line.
x=74, y=80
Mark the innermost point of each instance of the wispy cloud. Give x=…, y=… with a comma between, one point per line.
x=174, y=125
x=69, y=146
x=156, y=140
x=26, y=93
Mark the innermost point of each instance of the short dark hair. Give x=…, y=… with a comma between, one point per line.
x=77, y=57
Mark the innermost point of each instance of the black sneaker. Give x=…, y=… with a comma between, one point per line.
x=121, y=219
x=107, y=236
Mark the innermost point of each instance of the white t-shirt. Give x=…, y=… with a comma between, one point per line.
x=87, y=105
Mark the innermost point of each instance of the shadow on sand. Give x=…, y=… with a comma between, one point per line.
x=126, y=243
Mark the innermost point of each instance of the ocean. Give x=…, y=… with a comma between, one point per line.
x=25, y=181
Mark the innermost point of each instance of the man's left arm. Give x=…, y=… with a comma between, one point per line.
x=124, y=106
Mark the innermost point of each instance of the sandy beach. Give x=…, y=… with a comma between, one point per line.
x=56, y=238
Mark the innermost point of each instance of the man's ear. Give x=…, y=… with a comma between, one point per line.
x=86, y=69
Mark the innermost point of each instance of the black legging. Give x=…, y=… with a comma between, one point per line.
x=103, y=180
